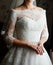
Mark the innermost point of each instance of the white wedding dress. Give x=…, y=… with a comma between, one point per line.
x=31, y=26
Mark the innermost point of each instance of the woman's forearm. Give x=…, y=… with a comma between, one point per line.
x=21, y=42
x=25, y=43
x=18, y=42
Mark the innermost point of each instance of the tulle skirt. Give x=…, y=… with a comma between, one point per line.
x=18, y=55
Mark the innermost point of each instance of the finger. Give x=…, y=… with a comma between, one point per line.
x=36, y=49
x=40, y=50
x=41, y=46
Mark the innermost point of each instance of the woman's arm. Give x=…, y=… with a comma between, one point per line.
x=11, y=26
x=12, y=40
x=45, y=33
x=9, y=37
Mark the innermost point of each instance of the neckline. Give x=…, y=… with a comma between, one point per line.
x=24, y=10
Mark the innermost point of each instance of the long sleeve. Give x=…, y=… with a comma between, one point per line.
x=11, y=26
x=45, y=33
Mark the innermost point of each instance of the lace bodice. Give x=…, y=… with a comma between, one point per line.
x=30, y=25
x=33, y=14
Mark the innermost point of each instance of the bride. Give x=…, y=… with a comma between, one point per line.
x=27, y=48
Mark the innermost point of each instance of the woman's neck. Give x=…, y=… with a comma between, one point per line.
x=28, y=4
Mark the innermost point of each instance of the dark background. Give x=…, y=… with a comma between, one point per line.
x=5, y=6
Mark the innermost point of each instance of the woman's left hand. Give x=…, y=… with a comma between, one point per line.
x=40, y=49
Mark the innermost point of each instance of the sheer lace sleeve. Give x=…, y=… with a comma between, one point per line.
x=11, y=26
x=45, y=33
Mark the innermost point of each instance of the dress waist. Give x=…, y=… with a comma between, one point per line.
x=34, y=43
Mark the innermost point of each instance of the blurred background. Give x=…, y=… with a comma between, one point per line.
x=6, y=5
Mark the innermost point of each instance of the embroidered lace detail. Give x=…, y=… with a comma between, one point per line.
x=33, y=14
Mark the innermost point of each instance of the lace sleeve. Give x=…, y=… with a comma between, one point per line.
x=11, y=26
x=45, y=33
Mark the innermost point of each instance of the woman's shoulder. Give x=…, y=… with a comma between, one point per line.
x=40, y=9
x=18, y=8
x=15, y=10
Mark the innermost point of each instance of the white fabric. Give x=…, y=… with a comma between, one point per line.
x=31, y=25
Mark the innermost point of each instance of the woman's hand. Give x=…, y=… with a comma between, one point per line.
x=38, y=48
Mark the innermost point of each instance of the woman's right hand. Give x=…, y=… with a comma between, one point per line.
x=38, y=49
